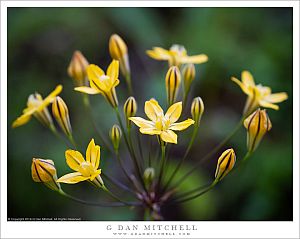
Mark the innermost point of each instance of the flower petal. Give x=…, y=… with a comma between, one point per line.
x=150, y=131
x=169, y=136
x=247, y=79
x=72, y=178
x=142, y=123
x=243, y=87
x=197, y=59
x=266, y=104
x=153, y=110
x=159, y=53
x=74, y=159
x=51, y=97
x=113, y=70
x=87, y=90
x=23, y=119
x=174, y=112
x=94, y=72
x=182, y=125
x=276, y=98
x=93, y=154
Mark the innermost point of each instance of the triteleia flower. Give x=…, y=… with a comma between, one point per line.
x=43, y=171
x=86, y=169
x=162, y=124
x=176, y=56
x=173, y=79
x=118, y=51
x=188, y=74
x=258, y=95
x=257, y=125
x=37, y=106
x=101, y=83
x=197, y=109
x=130, y=108
x=61, y=114
x=115, y=135
x=77, y=69
x=225, y=163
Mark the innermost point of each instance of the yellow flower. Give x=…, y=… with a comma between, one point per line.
x=37, y=107
x=176, y=56
x=101, y=83
x=61, y=114
x=258, y=95
x=43, y=171
x=77, y=69
x=225, y=163
x=257, y=125
x=118, y=51
x=162, y=124
x=85, y=169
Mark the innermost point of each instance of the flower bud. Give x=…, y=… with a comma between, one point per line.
x=115, y=135
x=43, y=171
x=130, y=108
x=225, y=163
x=149, y=175
x=257, y=125
x=77, y=69
x=173, y=79
x=43, y=115
x=189, y=74
x=61, y=114
x=197, y=109
x=118, y=51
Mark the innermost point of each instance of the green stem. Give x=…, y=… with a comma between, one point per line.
x=114, y=196
x=54, y=131
x=195, y=131
x=211, y=153
x=118, y=184
x=71, y=139
x=102, y=204
x=128, y=81
x=162, y=165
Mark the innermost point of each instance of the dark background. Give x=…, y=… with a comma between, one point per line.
x=40, y=44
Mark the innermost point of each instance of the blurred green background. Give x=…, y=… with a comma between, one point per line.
x=40, y=45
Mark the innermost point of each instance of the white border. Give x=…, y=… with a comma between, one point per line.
x=205, y=229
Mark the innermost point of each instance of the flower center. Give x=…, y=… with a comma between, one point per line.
x=162, y=123
x=86, y=169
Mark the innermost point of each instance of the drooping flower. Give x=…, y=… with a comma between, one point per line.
x=44, y=171
x=77, y=69
x=257, y=125
x=86, y=169
x=101, y=83
x=176, y=56
x=61, y=114
x=37, y=106
x=258, y=95
x=162, y=124
x=225, y=164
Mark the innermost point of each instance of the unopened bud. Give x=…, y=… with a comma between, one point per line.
x=225, y=163
x=43, y=171
x=188, y=74
x=118, y=51
x=77, y=69
x=173, y=79
x=197, y=109
x=61, y=114
x=130, y=108
x=257, y=125
x=149, y=175
x=115, y=135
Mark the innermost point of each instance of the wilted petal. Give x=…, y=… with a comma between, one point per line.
x=182, y=125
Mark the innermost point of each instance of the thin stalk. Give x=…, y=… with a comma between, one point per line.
x=162, y=165
x=128, y=81
x=195, y=131
x=140, y=146
x=211, y=153
x=117, y=183
x=99, y=204
x=71, y=139
x=114, y=196
x=54, y=131
x=87, y=105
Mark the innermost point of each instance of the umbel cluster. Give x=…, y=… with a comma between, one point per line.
x=148, y=186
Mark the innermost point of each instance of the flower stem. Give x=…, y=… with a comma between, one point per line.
x=162, y=165
x=114, y=196
x=128, y=81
